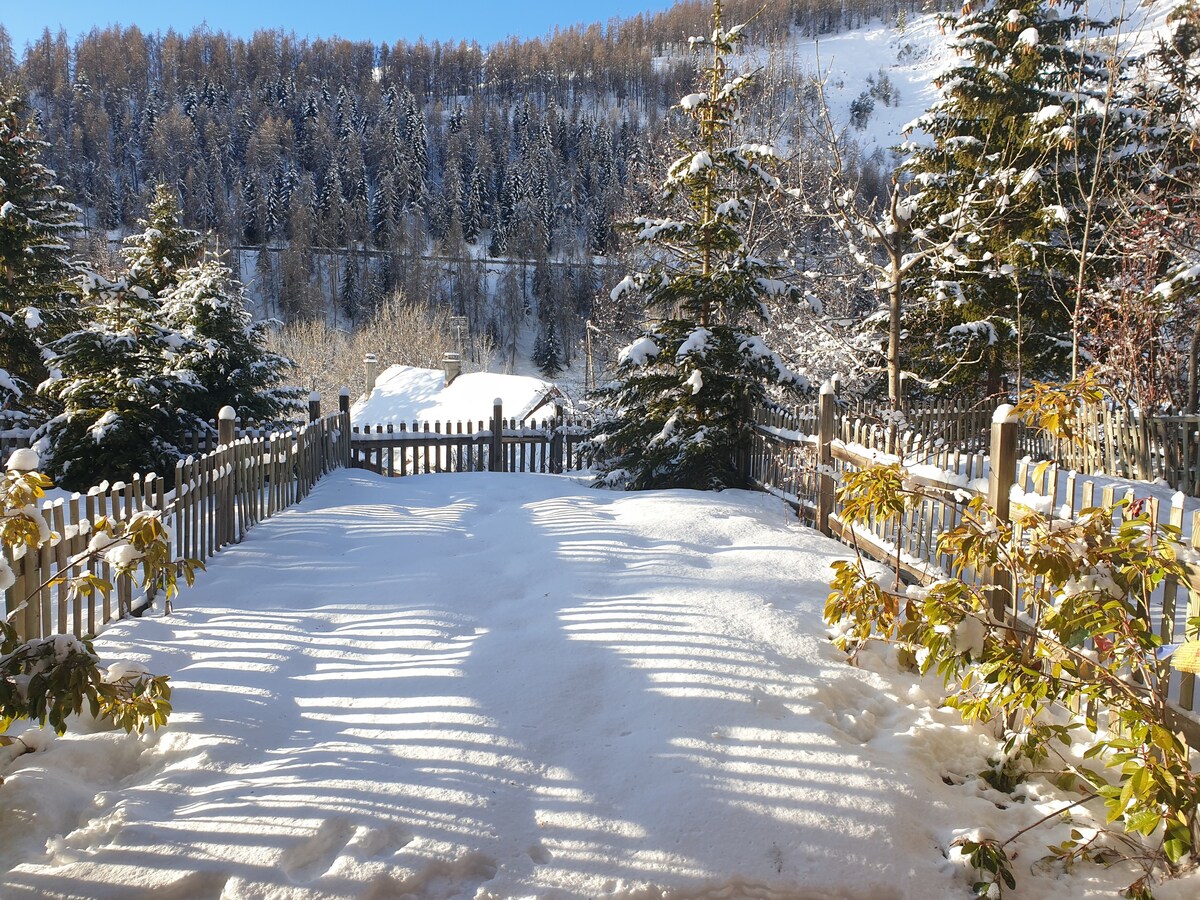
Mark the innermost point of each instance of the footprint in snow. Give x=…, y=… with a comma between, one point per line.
x=313, y=857
x=384, y=841
x=539, y=854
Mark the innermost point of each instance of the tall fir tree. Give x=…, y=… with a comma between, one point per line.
x=1008, y=191
x=680, y=408
x=225, y=349
x=547, y=351
x=36, y=224
x=163, y=246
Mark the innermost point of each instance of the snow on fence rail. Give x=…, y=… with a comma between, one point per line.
x=210, y=501
x=555, y=445
x=799, y=457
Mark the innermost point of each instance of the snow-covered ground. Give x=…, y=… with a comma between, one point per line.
x=502, y=686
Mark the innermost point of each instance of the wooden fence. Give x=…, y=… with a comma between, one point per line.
x=802, y=465
x=209, y=502
x=555, y=445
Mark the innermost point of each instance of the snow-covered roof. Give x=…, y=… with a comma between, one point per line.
x=408, y=394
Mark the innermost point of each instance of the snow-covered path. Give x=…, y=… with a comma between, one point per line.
x=508, y=686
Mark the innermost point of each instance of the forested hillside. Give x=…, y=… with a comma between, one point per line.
x=392, y=153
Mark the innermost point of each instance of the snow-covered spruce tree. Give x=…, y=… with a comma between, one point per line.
x=1022, y=143
x=163, y=246
x=684, y=389
x=36, y=221
x=224, y=349
x=547, y=351
x=123, y=387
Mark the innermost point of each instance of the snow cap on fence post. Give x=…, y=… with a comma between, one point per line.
x=344, y=400
x=1005, y=412
x=314, y=406
x=226, y=418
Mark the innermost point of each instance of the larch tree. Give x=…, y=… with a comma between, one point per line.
x=681, y=404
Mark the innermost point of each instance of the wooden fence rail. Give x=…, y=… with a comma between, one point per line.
x=554, y=445
x=802, y=466
x=210, y=502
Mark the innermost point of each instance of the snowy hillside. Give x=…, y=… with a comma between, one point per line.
x=895, y=68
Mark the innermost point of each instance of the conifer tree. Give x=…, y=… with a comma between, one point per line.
x=123, y=387
x=1009, y=191
x=163, y=246
x=547, y=351
x=225, y=349
x=36, y=222
x=681, y=404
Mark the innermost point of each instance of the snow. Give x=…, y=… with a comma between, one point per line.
x=700, y=162
x=696, y=342
x=1005, y=413
x=639, y=352
x=408, y=393
x=503, y=686
x=105, y=424
x=23, y=459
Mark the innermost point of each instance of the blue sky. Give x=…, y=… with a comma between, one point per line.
x=483, y=20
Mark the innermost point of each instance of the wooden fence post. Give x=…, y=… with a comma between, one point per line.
x=314, y=406
x=496, y=458
x=226, y=520
x=825, y=434
x=556, y=441
x=344, y=426
x=1000, y=481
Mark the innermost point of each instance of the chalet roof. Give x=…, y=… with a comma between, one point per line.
x=408, y=394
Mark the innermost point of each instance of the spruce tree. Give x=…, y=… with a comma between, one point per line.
x=684, y=389
x=36, y=223
x=225, y=350
x=124, y=388
x=1009, y=193
x=547, y=351
x=163, y=246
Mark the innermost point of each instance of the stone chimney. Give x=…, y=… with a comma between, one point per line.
x=452, y=363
